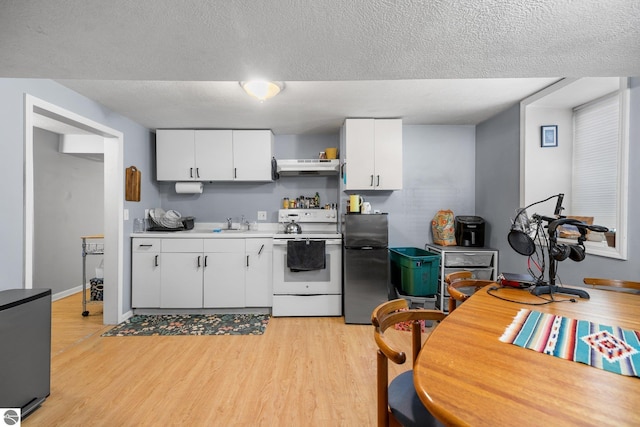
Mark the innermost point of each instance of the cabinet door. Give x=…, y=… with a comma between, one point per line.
x=145, y=280
x=214, y=155
x=360, y=154
x=252, y=153
x=175, y=155
x=224, y=273
x=259, y=277
x=181, y=280
x=388, y=154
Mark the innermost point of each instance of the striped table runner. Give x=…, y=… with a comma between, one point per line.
x=606, y=347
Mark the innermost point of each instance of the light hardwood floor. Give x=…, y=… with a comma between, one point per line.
x=309, y=371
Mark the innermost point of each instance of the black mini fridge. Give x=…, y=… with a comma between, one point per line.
x=25, y=355
x=365, y=264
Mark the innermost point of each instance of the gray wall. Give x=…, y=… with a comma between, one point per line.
x=68, y=203
x=497, y=195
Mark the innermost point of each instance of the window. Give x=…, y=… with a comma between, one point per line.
x=596, y=145
x=589, y=165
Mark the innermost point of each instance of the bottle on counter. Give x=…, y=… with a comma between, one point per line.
x=316, y=200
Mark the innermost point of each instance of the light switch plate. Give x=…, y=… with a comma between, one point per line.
x=262, y=215
x=126, y=215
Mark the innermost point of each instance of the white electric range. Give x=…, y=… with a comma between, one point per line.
x=315, y=292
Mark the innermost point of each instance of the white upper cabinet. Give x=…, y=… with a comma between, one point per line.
x=252, y=154
x=373, y=154
x=175, y=155
x=213, y=155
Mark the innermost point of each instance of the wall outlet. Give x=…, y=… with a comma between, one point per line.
x=262, y=215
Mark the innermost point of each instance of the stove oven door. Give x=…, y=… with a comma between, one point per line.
x=307, y=293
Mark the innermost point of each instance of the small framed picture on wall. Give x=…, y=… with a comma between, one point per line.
x=549, y=136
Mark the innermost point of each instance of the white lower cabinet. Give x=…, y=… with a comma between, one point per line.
x=145, y=273
x=201, y=273
x=259, y=276
x=181, y=273
x=224, y=273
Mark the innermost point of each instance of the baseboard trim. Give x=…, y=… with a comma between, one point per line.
x=66, y=293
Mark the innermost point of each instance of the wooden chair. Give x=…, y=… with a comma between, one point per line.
x=613, y=283
x=398, y=402
x=461, y=286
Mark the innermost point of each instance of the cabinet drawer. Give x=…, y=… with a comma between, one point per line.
x=224, y=245
x=146, y=245
x=181, y=245
x=468, y=259
x=477, y=273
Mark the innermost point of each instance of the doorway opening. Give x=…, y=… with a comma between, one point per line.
x=113, y=204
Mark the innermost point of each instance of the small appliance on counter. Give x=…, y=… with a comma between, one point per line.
x=469, y=231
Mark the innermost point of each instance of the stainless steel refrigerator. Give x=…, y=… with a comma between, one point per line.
x=365, y=264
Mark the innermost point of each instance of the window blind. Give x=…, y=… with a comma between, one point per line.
x=595, y=160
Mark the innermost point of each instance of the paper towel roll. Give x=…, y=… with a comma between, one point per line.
x=189, y=187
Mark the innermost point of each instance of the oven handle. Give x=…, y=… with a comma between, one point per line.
x=332, y=242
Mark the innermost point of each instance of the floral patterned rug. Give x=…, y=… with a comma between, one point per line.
x=191, y=324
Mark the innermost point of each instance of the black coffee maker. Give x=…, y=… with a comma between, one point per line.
x=469, y=231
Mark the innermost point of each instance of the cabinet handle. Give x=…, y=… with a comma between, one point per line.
x=371, y=185
x=190, y=172
x=206, y=257
x=235, y=172
x=144, y=246
x=197, y=172
x=156, y=261
x=378, y=184
x=247, y=260
x=199, y=261
x=261, y=248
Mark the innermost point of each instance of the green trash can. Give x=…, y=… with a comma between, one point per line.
x=414, y=271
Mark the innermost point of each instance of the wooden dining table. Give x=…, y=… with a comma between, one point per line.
x=465, y=375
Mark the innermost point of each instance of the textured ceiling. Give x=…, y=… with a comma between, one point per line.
x=173, y=64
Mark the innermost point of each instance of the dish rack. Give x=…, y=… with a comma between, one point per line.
x=171, y=220
x=91, y=245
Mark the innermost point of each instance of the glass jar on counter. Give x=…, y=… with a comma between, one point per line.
x=285, y=203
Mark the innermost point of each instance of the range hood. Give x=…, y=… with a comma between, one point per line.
x=297, y=167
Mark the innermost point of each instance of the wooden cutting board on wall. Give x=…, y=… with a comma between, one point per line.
x=132, y=184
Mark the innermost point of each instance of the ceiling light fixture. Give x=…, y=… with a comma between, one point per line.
x=262, y=89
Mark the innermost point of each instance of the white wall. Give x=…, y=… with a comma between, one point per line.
x=545, y=170
x=68, y=196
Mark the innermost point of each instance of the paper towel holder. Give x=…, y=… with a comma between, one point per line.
x=189, y=187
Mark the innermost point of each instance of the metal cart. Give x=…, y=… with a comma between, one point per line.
x=91, y=245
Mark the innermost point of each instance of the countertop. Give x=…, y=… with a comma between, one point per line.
x=205, y=231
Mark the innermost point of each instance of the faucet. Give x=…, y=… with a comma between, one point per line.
x=229, y=224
